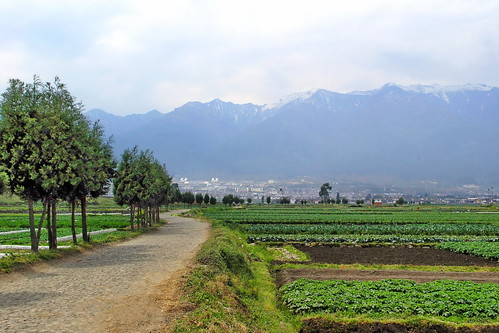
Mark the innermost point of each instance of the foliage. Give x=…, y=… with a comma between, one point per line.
x=358, y=215
x=142, y=183
x=372, y=229
x=199, y=198
x=49, y=150
x=10, y=222
x=366, y=238
x=324, y=191
x=442, y=298
x=489, y=250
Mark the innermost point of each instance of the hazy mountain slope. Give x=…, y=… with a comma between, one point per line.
x=416, y=132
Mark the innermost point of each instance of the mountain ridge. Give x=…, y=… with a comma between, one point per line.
x=411, y=132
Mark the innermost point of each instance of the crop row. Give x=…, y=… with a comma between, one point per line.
x=355, y=238
x=24, y=237
x=300, y=217
x=442, y=298
x=378, y=229
x=489, y=250
x=20, y=221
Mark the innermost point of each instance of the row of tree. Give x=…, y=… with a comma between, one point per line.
x=143, y=183
x=49, y=151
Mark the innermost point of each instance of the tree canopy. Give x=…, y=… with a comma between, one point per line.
x=48, y=149
x=142, y=183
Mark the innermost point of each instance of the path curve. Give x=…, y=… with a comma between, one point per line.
x=85, y=292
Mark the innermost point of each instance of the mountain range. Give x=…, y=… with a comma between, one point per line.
x=409, y=133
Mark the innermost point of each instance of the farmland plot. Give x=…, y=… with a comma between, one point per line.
x=391, y=243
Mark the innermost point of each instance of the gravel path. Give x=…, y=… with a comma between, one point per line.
x=82, y=293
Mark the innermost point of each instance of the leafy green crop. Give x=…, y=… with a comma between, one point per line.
x=347, y=238
x=373, y=229
x=96, y=221
x=443, y=298
x=489, y=250
x=20, y=222
x=302, y=215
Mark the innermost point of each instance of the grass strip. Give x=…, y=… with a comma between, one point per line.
x=469, y=269
x=232, y=290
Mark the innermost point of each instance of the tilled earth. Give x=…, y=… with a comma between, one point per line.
x=397, y=255
x=392, y=256
x=124, y=287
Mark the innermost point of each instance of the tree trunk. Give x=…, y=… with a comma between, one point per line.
x=73, y=227
x=84, y=219
x=150, y=219
x=157, y=214
x=49, y=225
x=54, y=225
x=40, y=225
x=32, y=229
x=132, y=213
x=139, y=215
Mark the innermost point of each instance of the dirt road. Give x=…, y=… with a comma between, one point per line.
x=118, y=288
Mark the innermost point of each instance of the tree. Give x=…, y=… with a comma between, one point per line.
x=174, y=194
x=285, y=201
x=268, y=200
x=199, y=198
x=249, y=200
x=93, y=172
x=206, y=199
x=3, y=183
x=344, y=200
x=188, y=198
x=324, y=192
x=230, y=199
x=400, y=201
x=40, y=132
x=142, y=183
x=127, y=182
x=338, y=200
x=213, y=201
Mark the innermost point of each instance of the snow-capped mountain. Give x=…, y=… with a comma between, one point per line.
x=409, y=132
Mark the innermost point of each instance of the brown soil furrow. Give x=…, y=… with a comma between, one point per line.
x=290, y=275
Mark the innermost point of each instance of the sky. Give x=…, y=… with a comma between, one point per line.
x=133, y=56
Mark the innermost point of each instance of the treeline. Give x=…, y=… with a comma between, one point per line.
x=143, y=183
x=50, y=152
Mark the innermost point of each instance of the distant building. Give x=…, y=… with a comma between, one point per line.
x=378, y=202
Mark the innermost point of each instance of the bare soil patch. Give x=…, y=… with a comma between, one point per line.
x=290, y=275
x=387, y=256
x=396, y=255
x=323, y=325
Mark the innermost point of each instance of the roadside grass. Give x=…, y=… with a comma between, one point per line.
x=232, y=289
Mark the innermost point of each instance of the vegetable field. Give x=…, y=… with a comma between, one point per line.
x=19, y=222
x=470, y=232
x=443, y=298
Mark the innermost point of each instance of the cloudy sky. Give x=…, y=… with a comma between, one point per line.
x=132, y=56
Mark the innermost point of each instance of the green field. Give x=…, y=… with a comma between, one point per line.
x=469, y=230
x=442, y=298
